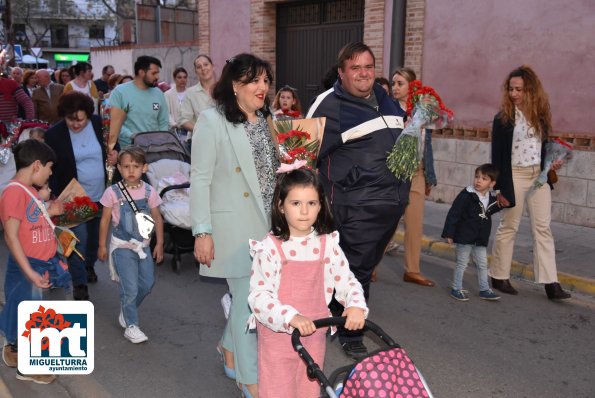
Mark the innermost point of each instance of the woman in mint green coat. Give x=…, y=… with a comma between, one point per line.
x=234, y=160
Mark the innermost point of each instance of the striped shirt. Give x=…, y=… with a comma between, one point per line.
x=11, y=96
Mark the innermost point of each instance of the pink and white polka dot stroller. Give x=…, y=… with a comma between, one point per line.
x=387, y=372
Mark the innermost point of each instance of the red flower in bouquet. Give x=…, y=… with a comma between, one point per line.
x=77, y=211
x=417, y=93
x=294, y=145
x=289, y=112
x=426, y=111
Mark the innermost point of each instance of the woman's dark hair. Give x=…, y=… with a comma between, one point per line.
x=286, y=182
x=80, y=67
x=178, y=70
x=64, y=70
x=74, y=101
x=27, y=75
x=242, y=68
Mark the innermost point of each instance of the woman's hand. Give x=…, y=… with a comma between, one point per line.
x=556, y=164
x=428, y=189
x=204, y=250
x=112, y=157
x=502, y=201
x=355, y=318
x=303, y=324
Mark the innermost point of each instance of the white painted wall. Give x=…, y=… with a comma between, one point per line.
x=121, y=59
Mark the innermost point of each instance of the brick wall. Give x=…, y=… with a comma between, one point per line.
x=459, y=150
x=374, y=31
x=263, y=33
x=414, y=35
x=203, y=26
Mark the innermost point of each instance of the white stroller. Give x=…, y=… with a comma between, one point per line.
x=169, y=174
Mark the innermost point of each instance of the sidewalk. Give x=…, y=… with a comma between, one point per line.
x=574, y=248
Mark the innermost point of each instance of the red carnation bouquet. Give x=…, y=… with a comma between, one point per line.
x=298, y=143
x=77, y=211
x=78, y=207
x=426, y=111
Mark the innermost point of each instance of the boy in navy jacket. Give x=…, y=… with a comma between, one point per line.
x=468, y=225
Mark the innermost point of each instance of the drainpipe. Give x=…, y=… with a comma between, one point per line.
x=397, y=45
x=158, y=24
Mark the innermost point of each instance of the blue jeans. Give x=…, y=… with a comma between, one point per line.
x=88, y=235
x=18, y=288
x=136, y=281
x=480, y=258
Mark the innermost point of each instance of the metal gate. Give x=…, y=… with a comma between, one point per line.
x=309, y=37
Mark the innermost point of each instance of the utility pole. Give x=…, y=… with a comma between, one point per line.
x=8, y=32
x=7, y=20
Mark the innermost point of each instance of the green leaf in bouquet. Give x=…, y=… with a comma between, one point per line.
x=403, y=161
x=283, y=126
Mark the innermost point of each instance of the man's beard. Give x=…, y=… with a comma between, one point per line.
x=149, y=84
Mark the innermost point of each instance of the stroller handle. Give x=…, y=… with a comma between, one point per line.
x=173, y=187
x=340, y=321
x=313, y=370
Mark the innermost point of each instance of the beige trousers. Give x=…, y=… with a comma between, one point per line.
x=414, y=221
x=539, y=206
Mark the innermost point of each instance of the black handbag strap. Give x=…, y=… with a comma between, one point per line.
x=128, y=197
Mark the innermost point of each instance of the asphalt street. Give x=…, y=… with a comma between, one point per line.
x=522, y=346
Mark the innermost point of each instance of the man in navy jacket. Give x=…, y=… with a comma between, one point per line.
x=362, y=124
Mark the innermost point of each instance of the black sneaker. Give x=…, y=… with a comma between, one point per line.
x=91, y=275
x=355, y=349
x=80, y=292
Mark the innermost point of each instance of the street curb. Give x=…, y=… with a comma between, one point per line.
x=521, y=270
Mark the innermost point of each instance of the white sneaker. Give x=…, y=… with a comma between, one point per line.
x=226, y=304
x=135, y=335
x=121, y=319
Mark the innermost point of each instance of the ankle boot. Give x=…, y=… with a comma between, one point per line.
x=504, y=286
x=555, y=292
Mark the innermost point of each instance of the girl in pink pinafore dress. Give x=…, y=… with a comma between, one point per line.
x=295, y=270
